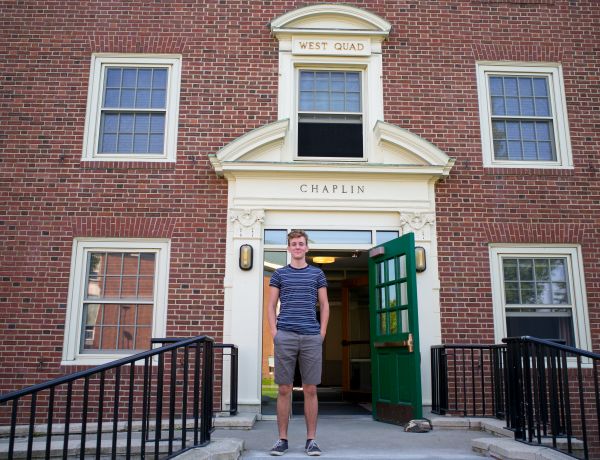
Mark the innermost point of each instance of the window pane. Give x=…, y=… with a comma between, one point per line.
x=542, y=270
x=391, y=269
x=142, y=339
x=540, y=87
x=339, y=236
x=156, y=143
x=109, y=337
x=159, y=78
x=383, y=236
x=112, y=98
x=510, y=269
x=113, y=77
x=126, y=338
x=276, y=237
x=526, y=269
x=393, y=322
x=142, y=99
x=274, y=260
x=129, y=78
x=145, y=78
x=158, y=99
x=147, y=263
x=129, y=286
x=111, y=315
x=558, y=270
x=496, y=87
x=392, y=301
x=127, y=315
x=382, y=323
x=145, y=287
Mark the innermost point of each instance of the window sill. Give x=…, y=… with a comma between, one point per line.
x=525, y=171
x=124, y=165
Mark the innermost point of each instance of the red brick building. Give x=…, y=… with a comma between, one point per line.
x=143, y=143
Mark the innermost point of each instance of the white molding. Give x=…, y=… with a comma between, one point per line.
x=284, y=23
x=73, y=320
x=231, y=160
x=576, y=284
x=96, y=82
x=559, y=110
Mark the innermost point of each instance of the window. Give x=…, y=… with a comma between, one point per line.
x=117, y=298
x=523, y=116
x=132, y=108
x=330, y=114
x=539, y=292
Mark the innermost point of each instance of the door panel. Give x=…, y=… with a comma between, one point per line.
x=394, y=331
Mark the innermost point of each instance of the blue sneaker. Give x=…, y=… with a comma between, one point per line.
x=312, y=448
x=280, y=447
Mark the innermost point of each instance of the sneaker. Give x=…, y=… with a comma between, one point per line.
x=280, y=447
x=312, y=448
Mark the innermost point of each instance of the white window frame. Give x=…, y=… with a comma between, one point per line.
x=576, y=284
x=92, y=123
x=361, y=70
x=562, y=142
x=77, y=281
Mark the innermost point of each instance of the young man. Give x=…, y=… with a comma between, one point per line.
x=297, y=335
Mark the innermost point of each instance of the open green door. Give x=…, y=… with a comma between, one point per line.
x=395, y=357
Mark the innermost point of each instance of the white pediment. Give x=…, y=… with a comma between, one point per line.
x=330, y=18
x=396, y=151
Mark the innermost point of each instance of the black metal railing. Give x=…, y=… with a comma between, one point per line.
x=87, y=409
x=553, y=395
x=226, y=359
x=468, y=380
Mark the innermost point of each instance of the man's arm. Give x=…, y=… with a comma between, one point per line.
x=324, y=310
x=271, y=309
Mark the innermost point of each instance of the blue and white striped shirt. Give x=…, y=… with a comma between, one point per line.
x=298, y=294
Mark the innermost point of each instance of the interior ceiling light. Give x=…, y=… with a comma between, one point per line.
x=323, y=259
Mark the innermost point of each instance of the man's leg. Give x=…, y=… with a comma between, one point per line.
x=311, y=410
x=283, y=409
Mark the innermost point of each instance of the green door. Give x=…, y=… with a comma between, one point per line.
x=395, y=357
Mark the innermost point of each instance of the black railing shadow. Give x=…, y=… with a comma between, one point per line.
x=93, y=405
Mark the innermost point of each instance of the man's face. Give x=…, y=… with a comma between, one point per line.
x=298, y=247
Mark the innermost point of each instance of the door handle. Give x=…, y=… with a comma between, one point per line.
x=408, y=343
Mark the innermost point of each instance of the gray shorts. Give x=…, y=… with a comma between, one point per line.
x=307, y=349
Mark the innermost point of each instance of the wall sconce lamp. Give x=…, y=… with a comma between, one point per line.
x=420, y=260
x=246, y=257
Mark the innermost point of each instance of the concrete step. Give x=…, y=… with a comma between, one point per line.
x=226, y=423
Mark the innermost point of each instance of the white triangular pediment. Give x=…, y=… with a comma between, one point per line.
x=394, y=150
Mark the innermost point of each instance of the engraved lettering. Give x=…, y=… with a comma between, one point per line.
x=361, y=188
x=315, y=189
x=304, y=188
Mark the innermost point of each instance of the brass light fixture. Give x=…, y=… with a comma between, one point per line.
x=246, y=257
x=420, y=259
x=323, y=259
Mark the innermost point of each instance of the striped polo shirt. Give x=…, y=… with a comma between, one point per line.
x=298, y=298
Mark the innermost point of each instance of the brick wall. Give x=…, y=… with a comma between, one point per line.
x=228, y=87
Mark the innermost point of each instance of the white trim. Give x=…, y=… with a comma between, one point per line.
x=564, y=159
x=576, y=285
x=92, y=121
x=380, y=25
x=73, y=320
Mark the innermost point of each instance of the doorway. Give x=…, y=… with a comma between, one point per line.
x=346, y=380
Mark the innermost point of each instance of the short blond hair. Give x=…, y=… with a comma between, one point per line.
x=297, y=234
